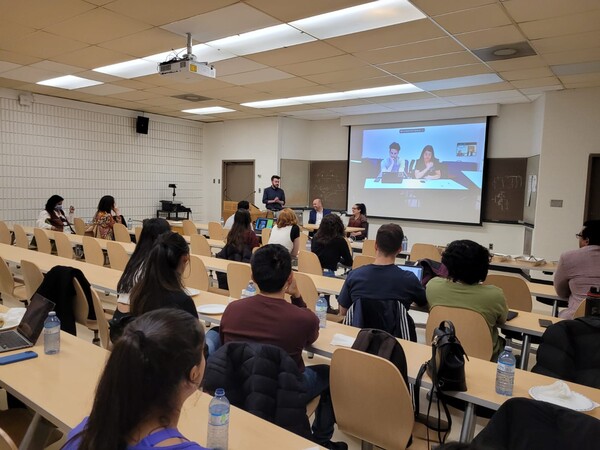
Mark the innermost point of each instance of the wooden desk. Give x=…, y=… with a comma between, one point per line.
x=313, y=227
x=60, y=388
x=499, y=262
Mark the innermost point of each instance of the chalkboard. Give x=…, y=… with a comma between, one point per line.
x=329, y=182
x=504, y=189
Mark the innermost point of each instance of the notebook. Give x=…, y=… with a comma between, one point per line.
x=29, y=329
x=262, y=223
x=417, y=270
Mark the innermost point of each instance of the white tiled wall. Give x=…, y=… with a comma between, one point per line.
x=83, y=151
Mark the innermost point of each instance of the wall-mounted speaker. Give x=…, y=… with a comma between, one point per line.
x=141, y=125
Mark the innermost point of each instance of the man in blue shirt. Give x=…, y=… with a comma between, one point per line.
x=273, y=196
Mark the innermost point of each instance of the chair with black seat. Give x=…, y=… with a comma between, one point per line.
x=388, y=315
x=570, y=351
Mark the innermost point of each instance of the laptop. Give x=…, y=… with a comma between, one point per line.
x=262, y=223
x=417, y=270
x=29, y=329
x=392, y=177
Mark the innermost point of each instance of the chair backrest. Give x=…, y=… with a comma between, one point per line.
x=81, y=307
x=32, y=277
x=199, y=245
x=516, y=291
x=580, y=311
x=6, y=443
x=265, y=235
x=189, y=229
x=471, y=329
x=92, y=251
x=7, y=282
x=117, y=255
x=308, y=290
x=238, y=276
x=362, y=260
x=308, y=262
x=101, y=321
x=368, y=248
x=422, y=251
x=138, y=233
x=215, y=231
x=64, y=247
x=5, y=236
x=196, y=276
x=121, y=233
x=21, y=239
x=389, y=315
x=370, y=399
x=79, y=226
x=303, y=241
x=42, y=240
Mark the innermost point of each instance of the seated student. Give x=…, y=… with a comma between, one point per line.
x=244, y=204
x=579, y=269
x=467, y=263
x=160, y=283
x=104, y=221
x=318, y=212
x=383, y=280
x=144, y=385
x=239, y=243
x=53, y=217
x=268, y=318
x=286, y=231
x=359, y=220
x=330, y=245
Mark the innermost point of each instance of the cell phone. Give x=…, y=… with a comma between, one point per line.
x=511, y=315
x=545, y=323
x=17, y=357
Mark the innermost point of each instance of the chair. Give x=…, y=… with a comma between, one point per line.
x=307, y=289
x=389, y=315
x=303, y=241
x=238, y=276
x=199, y=245
x=64, y=247
x=6, y=442
x=215, y=231
x=117, y=255
x=101, y=321
x=81, y=309
x=189, y=229
x=92, y=251
x=8, y=284
x=471, y=329
x=43, y=241
x=308, y=262
x=5, y=236
x=516, y=291
x=32, y=276
x=79, y=226
x=362, y=260
x=197, y=276
x=138, y=233
x=121, y=233
x=368, y=248
x=580, y=311
x=14, y=423
x=266, y=235
x=425, y=251
x=21, y=239
x=371, y=400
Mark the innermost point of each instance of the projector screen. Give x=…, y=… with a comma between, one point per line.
x=430, y=171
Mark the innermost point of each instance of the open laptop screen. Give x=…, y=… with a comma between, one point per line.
x=262, y=223
x=418, y=271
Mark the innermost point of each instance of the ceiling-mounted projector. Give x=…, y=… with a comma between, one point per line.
x=186, y=68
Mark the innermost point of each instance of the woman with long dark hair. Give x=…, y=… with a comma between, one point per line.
x=359, y=220
x=53, y=217
x=104, y=220
x=154, y=367
x=160, y=284
x=330, y=245
x=428, y=167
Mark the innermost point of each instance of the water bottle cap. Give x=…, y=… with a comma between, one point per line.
x=508, y=348
x=52, y=313
x=220, y=392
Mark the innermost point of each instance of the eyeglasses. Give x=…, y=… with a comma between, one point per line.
x=579, y=236
x=354, y=207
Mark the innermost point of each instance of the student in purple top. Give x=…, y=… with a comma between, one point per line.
x=144, y=385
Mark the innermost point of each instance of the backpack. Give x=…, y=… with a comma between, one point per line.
x=432, y=269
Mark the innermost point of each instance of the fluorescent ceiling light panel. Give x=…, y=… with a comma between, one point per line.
x=211, y=110
x=69, y=82
x=359, y=18
x=460, y=82
x=562, y=70
x=262, y=40
x=130, y=69
x=336, y=96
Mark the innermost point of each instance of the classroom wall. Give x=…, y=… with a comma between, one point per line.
x=83, y=151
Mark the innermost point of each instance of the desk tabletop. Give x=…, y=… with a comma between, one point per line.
x=501, y=262
x=314, y=227
x=410, y=183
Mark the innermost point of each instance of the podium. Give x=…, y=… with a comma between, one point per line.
x=229, y=208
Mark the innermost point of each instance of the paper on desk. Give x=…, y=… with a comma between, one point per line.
x=341, y=340
x=559, y=393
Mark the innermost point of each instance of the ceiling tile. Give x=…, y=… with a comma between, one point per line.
x=11, y=84
x=538, y=72
x=364, y=109
x=323, y=65
x=444, y=74
x=564, y=43
x=10, y=31
x=502, y=97
x=146, y=43
x=134, y=95
x=42, y=14
x=535, y=82
x=400, y=97
x=338, y=76
x=410, y=105
x=583, y=84
x=364, y=84
x=560, y=26
x=433, y=62
x=92, y=57
x=98, y=25
x=57, y=67
x=525, y=11
x=6, y=66
x=298, y=53
x=423, y=49
x=256, y=76
x=105, y=89
x=45, y=45
x=573, y=56
x=30, y=74
x=488, y=16
x=507, y=34
x=287, y=11
x=283, y=85
x=18, y=58
x=474, y=89
x=435, y=7
x=581, y=78
x=526, y=62
x=236, y=65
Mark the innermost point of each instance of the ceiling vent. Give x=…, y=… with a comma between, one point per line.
x=192, y=97
x=505, y=51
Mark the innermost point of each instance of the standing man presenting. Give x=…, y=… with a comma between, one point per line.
x=273, y=196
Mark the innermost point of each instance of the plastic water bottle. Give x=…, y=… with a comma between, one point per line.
x=405, y=244
x=308, y=245
x=218, y=421
x=505, y=373
x=129, y=224
x=221, y=221
x=321, y=311
x=250, y=290
x=51, y=334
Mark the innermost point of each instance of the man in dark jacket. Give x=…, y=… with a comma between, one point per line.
x=268, y=318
